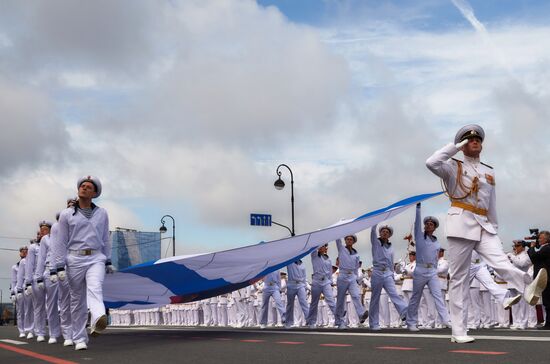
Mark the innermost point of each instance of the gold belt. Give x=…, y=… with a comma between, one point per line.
x=468, y=207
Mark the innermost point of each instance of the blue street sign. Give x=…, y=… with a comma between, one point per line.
x=260, y=220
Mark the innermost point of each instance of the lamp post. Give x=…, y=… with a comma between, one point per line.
x=280, y=184
x=163, y=229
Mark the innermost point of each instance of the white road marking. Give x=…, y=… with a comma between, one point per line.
x=14, y=342
x=344, y=333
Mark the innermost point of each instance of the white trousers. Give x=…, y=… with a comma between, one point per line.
x=85, y=275
x=316, y=290
x=345, y=285
x=64, y=302
x=266, y=294
x=378, y=282
x=20, y=306
x=460, y=256
x=291, y=294
x=52, y=311
x=39, y=304
x=426, y=277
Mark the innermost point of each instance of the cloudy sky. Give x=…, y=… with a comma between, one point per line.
x=187, y=107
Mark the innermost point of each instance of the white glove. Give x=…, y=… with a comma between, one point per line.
x=28, y=290
x=12, y=298
x=109, y=267
x=53, y=277
x=62, y=275
x=19, y=295
x=40, y=284
x=461, y=144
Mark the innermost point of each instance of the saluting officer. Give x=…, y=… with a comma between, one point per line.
x=472, y=223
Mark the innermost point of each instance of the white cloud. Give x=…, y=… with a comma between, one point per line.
x=196, y=112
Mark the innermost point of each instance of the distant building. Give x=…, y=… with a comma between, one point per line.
x=131, y=247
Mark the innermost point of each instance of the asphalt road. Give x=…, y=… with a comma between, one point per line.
x=211, y=345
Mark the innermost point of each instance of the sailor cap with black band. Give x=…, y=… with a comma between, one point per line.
x=432, y=219
x=45, y=223
x=93, y=180
x=354, y=237
x=469, y=131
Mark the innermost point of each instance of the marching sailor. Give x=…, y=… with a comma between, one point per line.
x=425, y=273
x=472, y=223
x=383, y=275
x=347, y=281
x=320, y=283
x=296, y=287
x=83, y=246
x=16, y=291
x=42, y=275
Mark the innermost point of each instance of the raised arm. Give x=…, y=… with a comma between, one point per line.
x=438, y=162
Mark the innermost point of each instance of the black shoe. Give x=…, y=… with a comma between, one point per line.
x=364, y=317
x=543, y=327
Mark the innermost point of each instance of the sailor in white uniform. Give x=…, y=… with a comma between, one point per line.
x=272, y=288
x=34, y=284
x=84, y=247
x=425, y=273
x=296, y=287
x=347, y=281
x=320, y=284
x=383, y=275
x=472, y=223
x=42, y=274
x=17, y=291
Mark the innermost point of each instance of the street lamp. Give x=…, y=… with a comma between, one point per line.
x=163, y=229
x=280, y=184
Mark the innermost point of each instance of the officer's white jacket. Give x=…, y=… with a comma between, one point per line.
x=77, y=232
x=461, y=223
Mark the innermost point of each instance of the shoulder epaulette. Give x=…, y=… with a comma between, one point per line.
x=457, y=160
x=486, y=165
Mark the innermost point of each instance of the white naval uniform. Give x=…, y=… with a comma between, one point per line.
x=79, y=235
x=425, y=275
x=407, y=276
x=24, y=301
x=321, y=280
x=18, y=301
x=272, y=288
x=63, y=290
x=520, y=312
x=383, y=277
x=38, y=295
x=468, y=231
x=347, y=282
x=43, y=272
x=296, y=287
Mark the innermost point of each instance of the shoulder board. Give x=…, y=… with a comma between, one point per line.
x=486, y=165
x=457, y=160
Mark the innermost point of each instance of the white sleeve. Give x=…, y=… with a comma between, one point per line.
x=439, y=164
x=60, y=243
x=106, y=239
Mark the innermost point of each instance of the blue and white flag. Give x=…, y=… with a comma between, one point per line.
x=196, y=277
